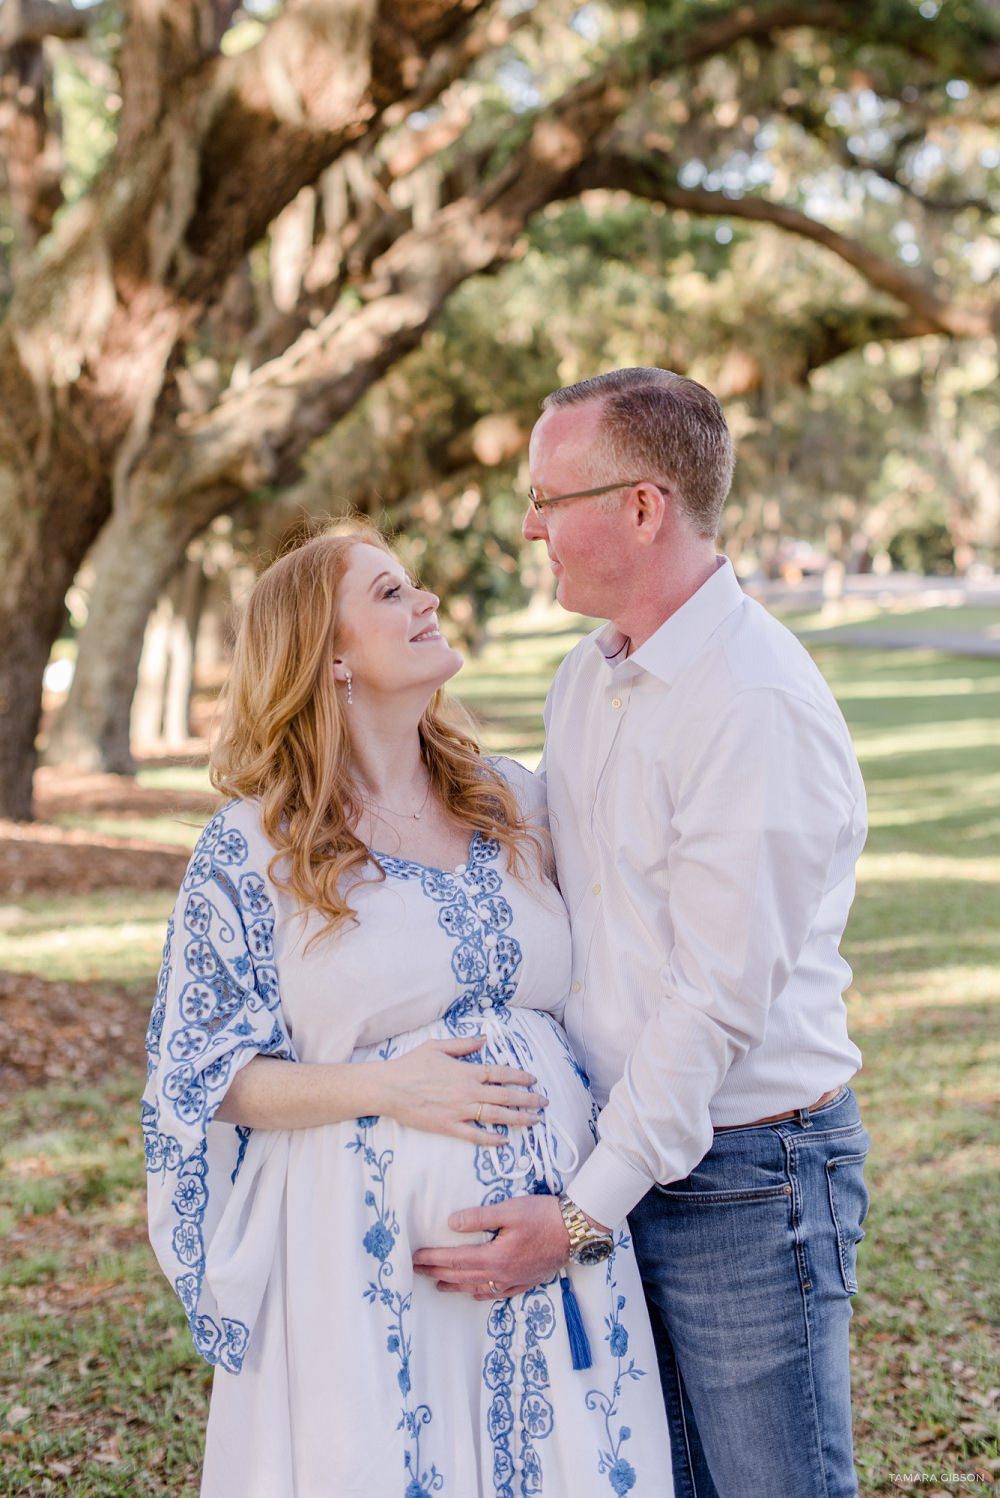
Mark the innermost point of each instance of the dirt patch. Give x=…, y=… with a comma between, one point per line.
x=41, y=857
x=66, y=1032
x=37, y=858
x=59, y=792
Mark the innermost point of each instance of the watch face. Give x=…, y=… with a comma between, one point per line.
x=594, y=1253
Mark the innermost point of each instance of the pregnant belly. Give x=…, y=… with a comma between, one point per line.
x=425, y=1176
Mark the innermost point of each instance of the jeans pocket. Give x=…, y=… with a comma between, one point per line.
x=724, y=1198
x=849, y=1204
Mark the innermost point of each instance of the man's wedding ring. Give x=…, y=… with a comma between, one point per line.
x=493, y=1286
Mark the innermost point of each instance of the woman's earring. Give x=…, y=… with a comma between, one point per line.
x=350, y=695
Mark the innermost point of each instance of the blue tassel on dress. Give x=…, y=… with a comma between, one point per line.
x=578, y=1345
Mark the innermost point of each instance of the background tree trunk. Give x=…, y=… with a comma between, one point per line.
x=210, y=149
x=146, y=718
x=38, y=562
x=187, y=593
x=109, y=321
x=139, y=555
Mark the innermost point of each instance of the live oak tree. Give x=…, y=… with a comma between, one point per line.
x=381, y=153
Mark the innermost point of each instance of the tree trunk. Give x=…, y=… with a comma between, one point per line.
x=187, y=593
x=27, y=633
x=42, y=460
x=139, y=554
x=146, y=719
x=211, y=648
x=32, y=611
x=210, y=149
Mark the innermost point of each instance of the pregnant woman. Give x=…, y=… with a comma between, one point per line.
x=356, y=1033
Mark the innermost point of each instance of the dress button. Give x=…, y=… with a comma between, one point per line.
x=596, y=889
x=576, y=987
x=616, y=702
x=460, y=868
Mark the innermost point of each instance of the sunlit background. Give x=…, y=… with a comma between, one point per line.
x=259, y=268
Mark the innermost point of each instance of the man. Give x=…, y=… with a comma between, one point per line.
x=707, y=813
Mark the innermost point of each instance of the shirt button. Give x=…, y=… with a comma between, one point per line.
x=616, y=702
x=596, y=889
x=576, y=987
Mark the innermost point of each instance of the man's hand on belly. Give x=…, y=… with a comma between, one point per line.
x=531, y=1245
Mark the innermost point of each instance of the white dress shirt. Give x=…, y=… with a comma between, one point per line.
x=707, y=812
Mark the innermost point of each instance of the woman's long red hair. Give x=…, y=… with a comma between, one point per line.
x=282, y=737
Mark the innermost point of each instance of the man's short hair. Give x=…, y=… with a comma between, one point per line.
x=662, y=426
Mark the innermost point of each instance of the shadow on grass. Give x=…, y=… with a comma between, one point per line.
x=950, y=923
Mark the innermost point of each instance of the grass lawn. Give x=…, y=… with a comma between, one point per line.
x=902, y=616
x=101, y=1393
x=111, y=935
x=180, y=830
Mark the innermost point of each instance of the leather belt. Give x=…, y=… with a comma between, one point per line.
x=827, y=1097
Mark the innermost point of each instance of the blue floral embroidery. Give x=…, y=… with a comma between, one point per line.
x=578, y=1072
x=379, y=1241
x=225, y=1000
x=535, y=1412
x=620, y=1472
x=485, y=961
x=498, y=1376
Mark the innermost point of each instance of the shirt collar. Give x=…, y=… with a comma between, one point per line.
x=679, y=639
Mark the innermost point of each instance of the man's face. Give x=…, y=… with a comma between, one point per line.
x=588, y=547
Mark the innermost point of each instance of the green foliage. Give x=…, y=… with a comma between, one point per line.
x=926, y=548
x=85, y=89
x=107, y=936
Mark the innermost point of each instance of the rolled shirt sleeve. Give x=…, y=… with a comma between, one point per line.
x=762, y=827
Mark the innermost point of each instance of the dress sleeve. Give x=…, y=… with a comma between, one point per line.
x=217, y=1006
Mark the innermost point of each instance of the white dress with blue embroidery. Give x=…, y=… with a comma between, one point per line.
x=339, y=1373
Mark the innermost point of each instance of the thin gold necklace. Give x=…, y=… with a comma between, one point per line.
x=411, y=815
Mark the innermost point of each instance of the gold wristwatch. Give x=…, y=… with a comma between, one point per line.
x=587, y=1244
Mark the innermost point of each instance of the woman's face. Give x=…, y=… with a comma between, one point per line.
x=387, y=629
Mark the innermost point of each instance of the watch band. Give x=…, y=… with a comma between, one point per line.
x=582, y=1234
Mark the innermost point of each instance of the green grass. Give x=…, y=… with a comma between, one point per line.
x=176, y=778
x=111, y=936
x=901, y=616
x=181, y=832
x=99, y=1355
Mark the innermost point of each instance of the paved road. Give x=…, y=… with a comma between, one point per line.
x=953, y=643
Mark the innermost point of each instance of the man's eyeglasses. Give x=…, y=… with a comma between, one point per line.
x=540, y=505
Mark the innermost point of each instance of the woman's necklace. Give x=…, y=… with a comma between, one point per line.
x=409, y=815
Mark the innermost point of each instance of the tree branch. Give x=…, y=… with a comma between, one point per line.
x=34, y=20
x=815, y=123
x=163, y=42
x=30, y=153
x=647, y=177
x=258, y=434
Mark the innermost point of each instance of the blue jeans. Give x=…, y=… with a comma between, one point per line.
x=749, y=1267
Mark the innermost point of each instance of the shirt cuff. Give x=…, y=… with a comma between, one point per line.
x=606, y=1188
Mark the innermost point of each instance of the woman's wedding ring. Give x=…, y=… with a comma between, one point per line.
x=494, y=1286
x=479, y=1113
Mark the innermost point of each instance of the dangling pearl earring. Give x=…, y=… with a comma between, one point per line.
x=350, y=695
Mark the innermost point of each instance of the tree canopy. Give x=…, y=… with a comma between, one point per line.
x=221, y=227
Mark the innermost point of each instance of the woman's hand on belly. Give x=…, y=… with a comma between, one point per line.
x=429, y=1089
